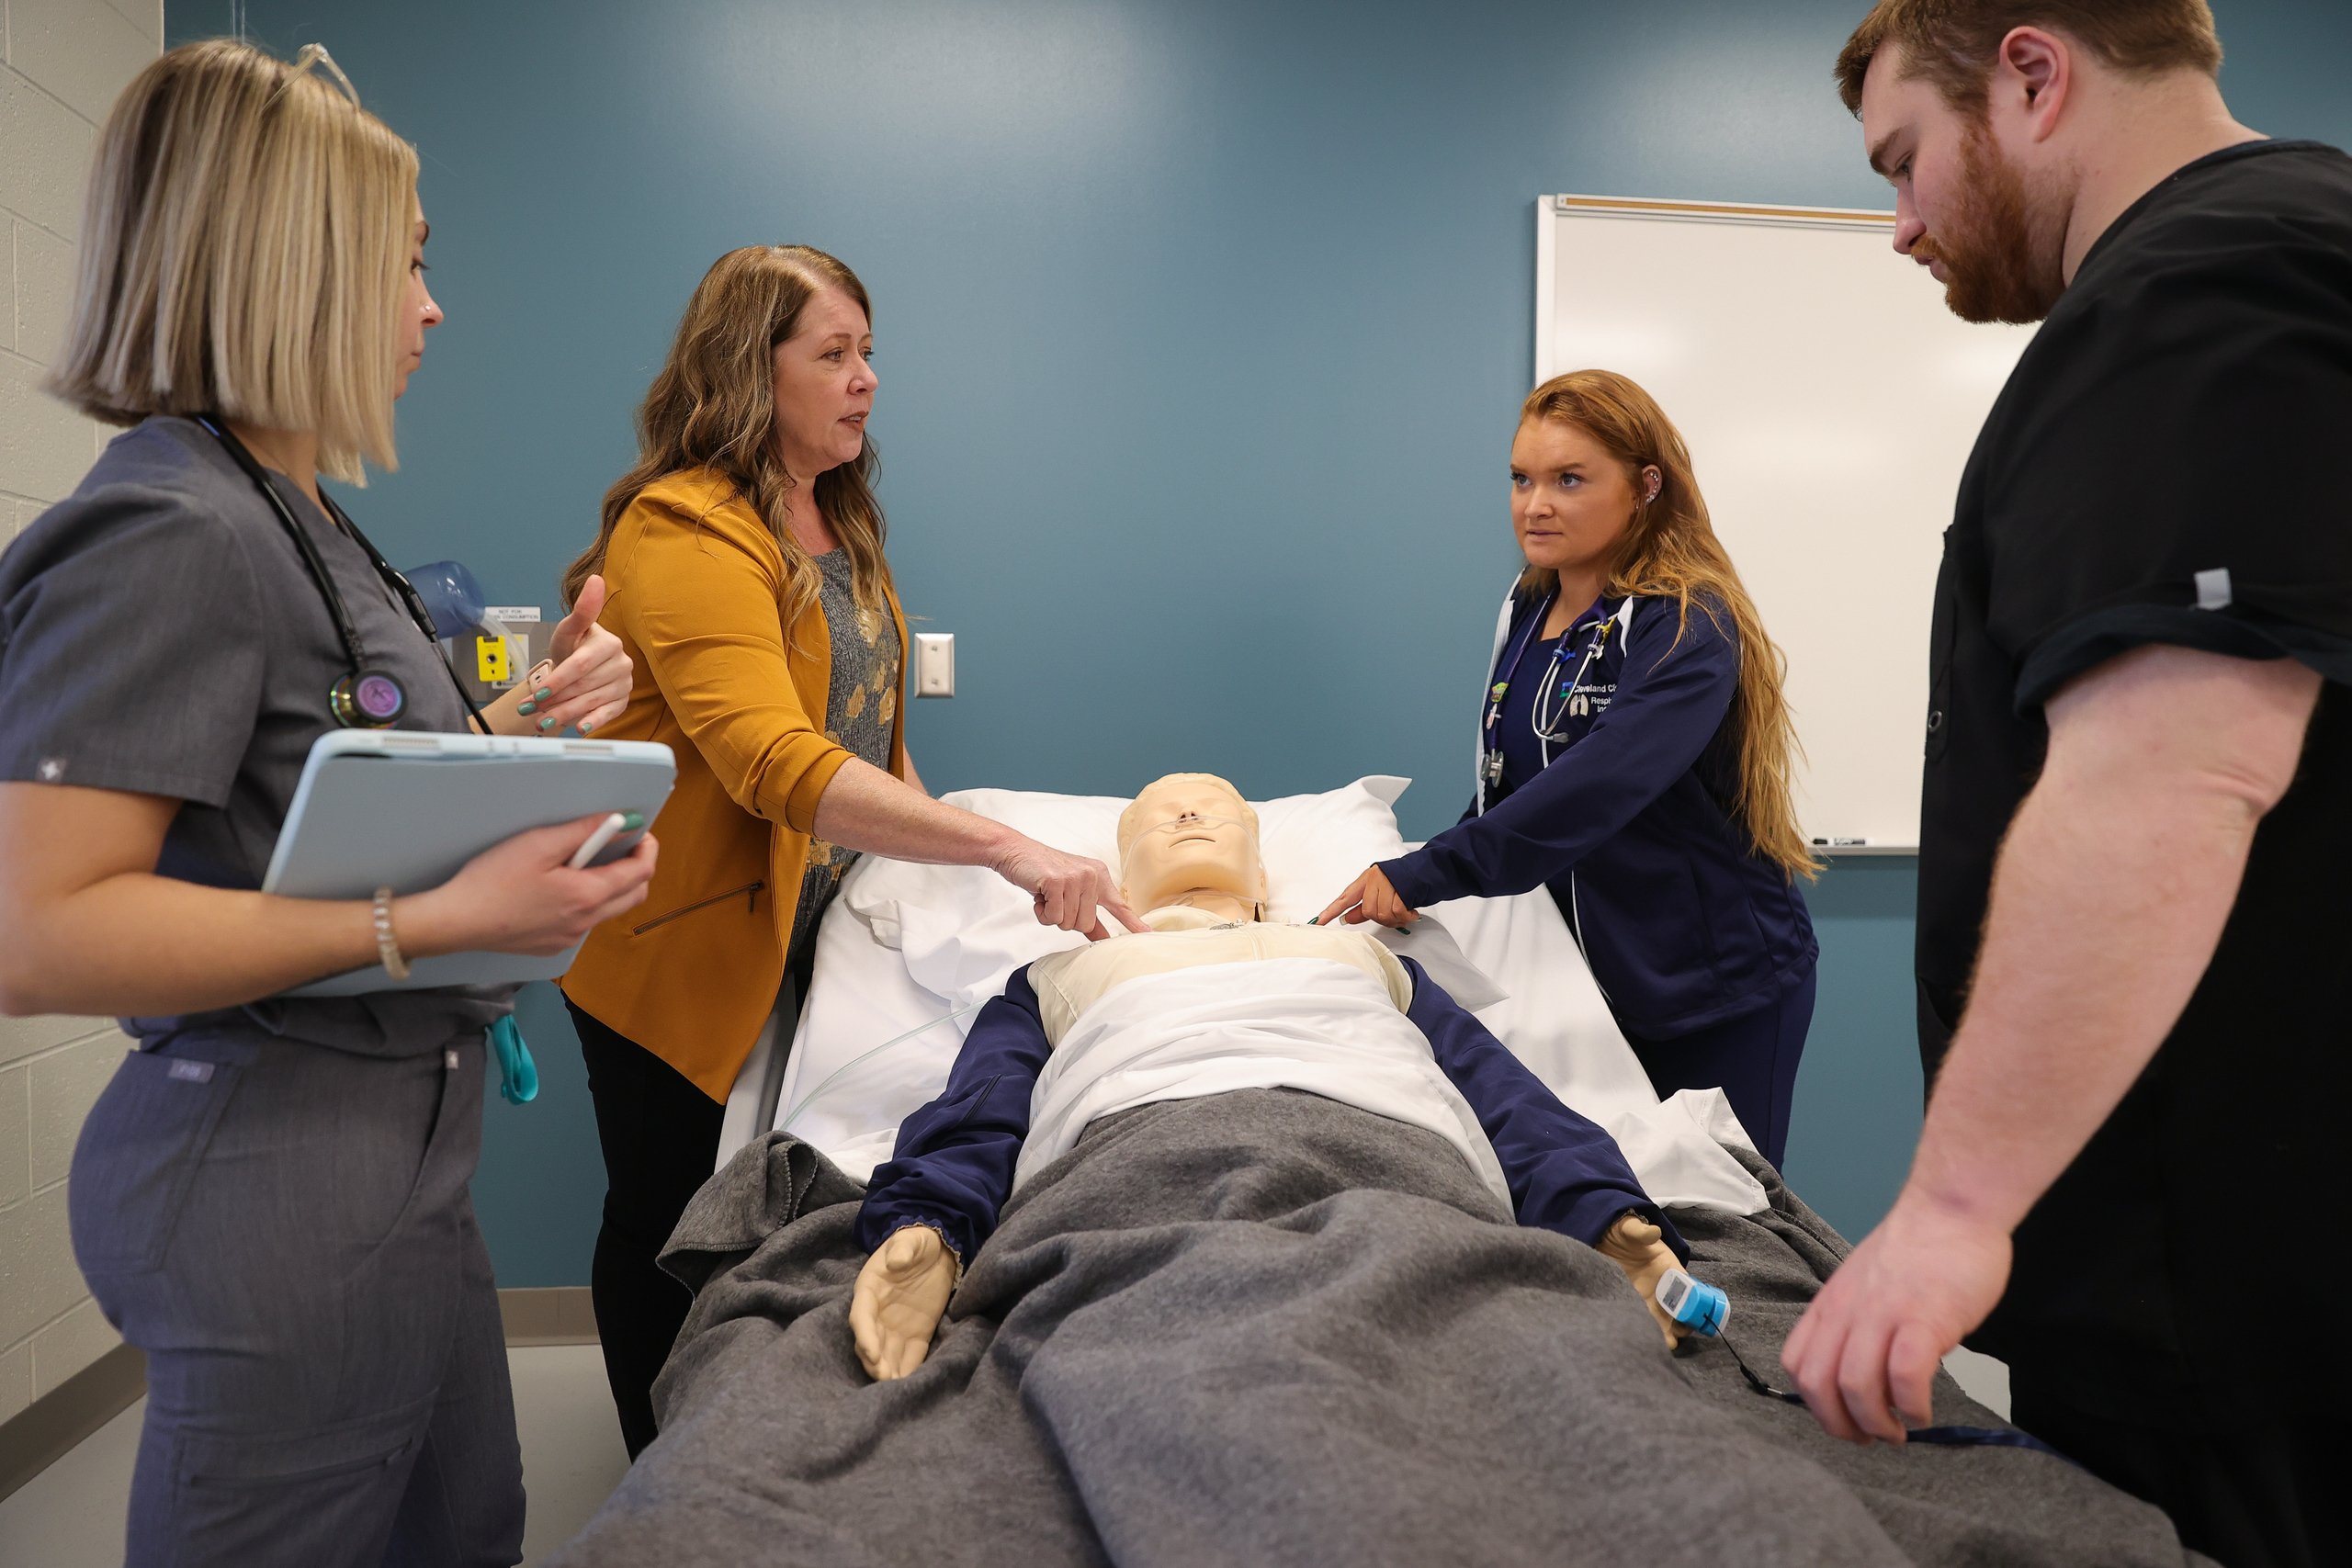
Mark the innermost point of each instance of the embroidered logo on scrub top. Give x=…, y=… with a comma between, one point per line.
x=1588, y=700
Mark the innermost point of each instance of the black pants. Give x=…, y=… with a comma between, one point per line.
x=2248, y=1498
x=659, y=1136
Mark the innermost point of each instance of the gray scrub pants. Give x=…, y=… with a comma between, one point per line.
x=286, y=1230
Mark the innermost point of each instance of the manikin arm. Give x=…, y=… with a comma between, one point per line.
x=901, y=1296
x=937, y=1198
x=1565, y=1173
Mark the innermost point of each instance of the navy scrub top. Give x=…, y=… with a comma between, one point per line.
x=1683, y=922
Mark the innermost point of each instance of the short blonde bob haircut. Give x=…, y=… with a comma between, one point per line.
x=244, y=249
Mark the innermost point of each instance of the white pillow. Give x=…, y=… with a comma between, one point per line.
x=964, y=930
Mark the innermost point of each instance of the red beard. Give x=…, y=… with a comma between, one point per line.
x=1986, y=244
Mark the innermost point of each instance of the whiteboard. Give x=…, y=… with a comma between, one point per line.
x=1830, y=400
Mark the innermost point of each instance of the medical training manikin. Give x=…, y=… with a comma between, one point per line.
x=1213, y=999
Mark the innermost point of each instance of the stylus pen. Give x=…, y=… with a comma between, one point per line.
x=606, y=831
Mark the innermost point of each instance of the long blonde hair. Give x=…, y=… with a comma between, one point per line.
x=713, y=406
x=244, y=244
x=1670, y=551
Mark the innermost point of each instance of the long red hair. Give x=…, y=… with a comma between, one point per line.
x=1671, y=552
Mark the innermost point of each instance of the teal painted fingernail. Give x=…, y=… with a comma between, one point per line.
x=543, y=694
x=547, y=724
x=586, y=725
x=632, y=820
x=526, y=707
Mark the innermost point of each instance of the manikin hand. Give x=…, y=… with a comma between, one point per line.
x=1639, y=1248
x=901, y=1294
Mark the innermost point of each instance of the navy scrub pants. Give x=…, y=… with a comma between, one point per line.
x=286, y=1230
x=1752, y=1058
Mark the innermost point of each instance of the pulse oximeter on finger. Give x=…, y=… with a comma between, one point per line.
x=1695, y=1304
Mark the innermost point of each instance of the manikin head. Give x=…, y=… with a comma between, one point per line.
x=1987, y=116
x=1191, y=839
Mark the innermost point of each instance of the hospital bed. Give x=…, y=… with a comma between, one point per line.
x=1019, y=1441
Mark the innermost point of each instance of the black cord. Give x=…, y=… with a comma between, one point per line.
x=411, y=599
x=1945, y=1435
x=304, y=545
x=402, y=591
x=1754, y=1381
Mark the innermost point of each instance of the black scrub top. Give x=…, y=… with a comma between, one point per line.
x=159, y=635
x=2171, y=462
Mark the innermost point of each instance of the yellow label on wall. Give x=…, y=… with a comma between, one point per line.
x=490, y=661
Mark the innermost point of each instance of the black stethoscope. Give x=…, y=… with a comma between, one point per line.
x=1544, y=715
x=369, y=696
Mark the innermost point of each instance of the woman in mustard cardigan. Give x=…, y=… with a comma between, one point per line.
x=744, y=559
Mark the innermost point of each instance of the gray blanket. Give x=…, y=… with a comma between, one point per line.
x=1265, y=1327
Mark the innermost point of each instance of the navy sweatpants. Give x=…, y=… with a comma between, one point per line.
x=1752, y=1058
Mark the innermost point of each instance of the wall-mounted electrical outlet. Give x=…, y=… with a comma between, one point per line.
x=934, y=664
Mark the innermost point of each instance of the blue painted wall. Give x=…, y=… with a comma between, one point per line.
x=1201, y=325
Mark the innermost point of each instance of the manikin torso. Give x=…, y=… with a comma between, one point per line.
x=1183, y=938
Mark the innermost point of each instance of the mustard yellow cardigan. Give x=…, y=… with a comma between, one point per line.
x=696, y=586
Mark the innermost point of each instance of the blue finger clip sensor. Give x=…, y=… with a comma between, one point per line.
x=1695, y=1304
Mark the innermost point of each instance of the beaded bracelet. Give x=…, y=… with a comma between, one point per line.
x=387, y=948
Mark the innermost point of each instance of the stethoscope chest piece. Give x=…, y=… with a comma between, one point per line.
x=369, y=696
x=1544, y=717
x=367, y=699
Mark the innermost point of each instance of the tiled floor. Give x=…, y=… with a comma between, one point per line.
x=71, y=1516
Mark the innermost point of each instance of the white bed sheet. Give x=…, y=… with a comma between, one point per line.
x=872, y=1046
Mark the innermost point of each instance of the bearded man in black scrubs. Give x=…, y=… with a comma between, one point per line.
x=2134, y=950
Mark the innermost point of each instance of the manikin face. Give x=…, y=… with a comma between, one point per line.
x=1571, y=502
x=1193, y=836
x=418, y=310
x=824, y=386
x=1962, y=209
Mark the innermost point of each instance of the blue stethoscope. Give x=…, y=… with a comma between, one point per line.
x=1554, y=697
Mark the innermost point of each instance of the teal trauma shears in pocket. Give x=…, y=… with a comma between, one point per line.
x=518, y=1075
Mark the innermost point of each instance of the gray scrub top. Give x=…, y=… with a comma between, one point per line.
x=159, y=635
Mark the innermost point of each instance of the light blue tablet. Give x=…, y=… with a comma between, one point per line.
x=405, y=810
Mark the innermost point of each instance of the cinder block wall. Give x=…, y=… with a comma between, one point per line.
x=61, y=63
